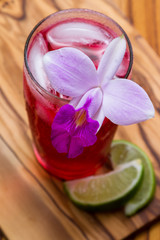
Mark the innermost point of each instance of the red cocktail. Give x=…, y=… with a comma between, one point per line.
x=90, y=32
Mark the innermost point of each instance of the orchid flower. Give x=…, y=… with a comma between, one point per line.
x=95, y=94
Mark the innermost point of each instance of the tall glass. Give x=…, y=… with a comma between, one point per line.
x=42, y=105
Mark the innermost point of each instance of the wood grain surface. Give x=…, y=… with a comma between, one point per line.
x=144, y=15
x=32, y=203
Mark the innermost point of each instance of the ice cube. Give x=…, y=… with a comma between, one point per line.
x=69, y=33
x=36, y=53
x=89, y=38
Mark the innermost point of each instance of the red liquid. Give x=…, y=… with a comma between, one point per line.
x=41, y=112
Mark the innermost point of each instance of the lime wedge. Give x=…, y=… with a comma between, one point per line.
x=107, y=191
x=123, y=151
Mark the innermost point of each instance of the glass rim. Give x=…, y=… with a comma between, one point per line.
x=65, y=11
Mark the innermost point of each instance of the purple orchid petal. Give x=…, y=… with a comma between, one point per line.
x=60, y=135
x=60, y=139
x=99, y=116
x=76, y=147
x=72, y=130
x=83, y=137
x=91, y=100
x=87, y=132
x=111, y=60
x=65, y=115
x=70, y=71
x=125, y=102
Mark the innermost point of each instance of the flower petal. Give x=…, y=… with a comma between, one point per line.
x=125, y=102
x=91, y=101
x=60, y=139
x=60, y=136
x=70, y=71
x=76, y=147
x=99, y=116
x=83, y=137
x=111, y=59
x=64, y=116
x=87, y=132
x=72, y=130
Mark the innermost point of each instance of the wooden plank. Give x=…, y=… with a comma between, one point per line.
x=41, y=209
x=2, y=235
x=144, y=15
x=28, y=194
x=155, y=232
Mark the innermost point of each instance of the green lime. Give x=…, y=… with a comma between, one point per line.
x=107, y=191
x=123, y=151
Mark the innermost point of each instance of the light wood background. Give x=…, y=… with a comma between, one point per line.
x=144, y=15
x=22, y=181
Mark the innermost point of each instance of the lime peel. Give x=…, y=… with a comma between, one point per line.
x=127, y=152
x=107, y=191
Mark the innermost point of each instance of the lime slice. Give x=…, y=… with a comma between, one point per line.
x=123, y=151
x=107, y=191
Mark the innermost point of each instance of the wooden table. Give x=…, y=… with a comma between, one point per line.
x=32, y=203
